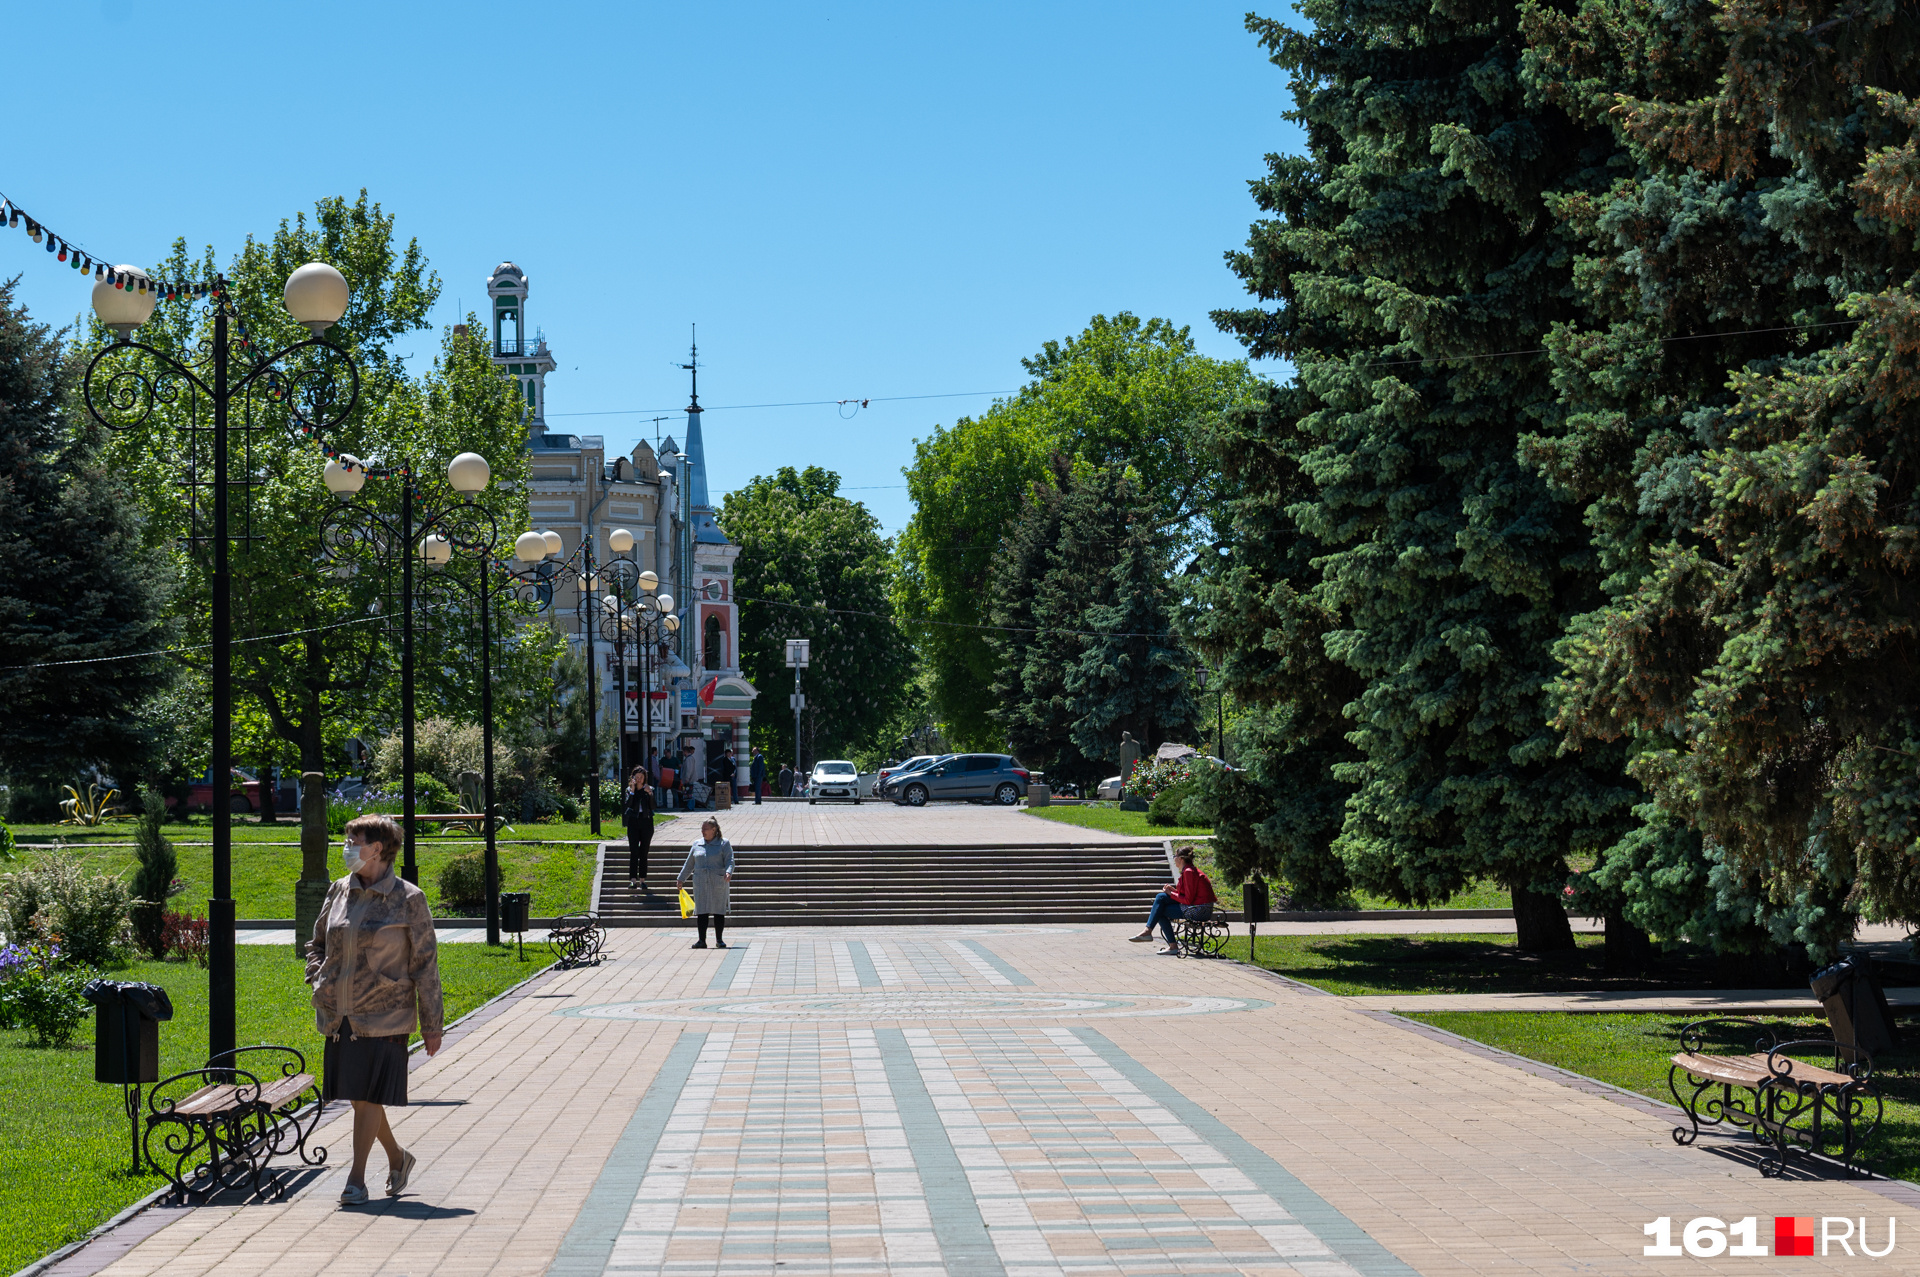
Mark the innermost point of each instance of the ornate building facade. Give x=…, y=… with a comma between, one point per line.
x=690, y=693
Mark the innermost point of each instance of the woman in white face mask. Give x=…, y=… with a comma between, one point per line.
x=375, y=976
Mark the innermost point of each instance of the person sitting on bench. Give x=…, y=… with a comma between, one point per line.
x=1191, y=897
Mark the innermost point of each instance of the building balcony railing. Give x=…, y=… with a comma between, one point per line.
x=520, y=346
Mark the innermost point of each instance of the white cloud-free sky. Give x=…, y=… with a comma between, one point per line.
x=851, y=200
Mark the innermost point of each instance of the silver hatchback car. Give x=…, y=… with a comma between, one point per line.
x=993, y=778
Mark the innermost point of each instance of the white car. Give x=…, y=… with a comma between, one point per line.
x=834, y=778
x=1109, y=790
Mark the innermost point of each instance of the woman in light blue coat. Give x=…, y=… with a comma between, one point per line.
x=709, y=869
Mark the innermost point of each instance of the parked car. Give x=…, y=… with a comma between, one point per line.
x=242, y=797
x=1109, y=790
x=890, y=787
x=834, y=778
x=900, y=769
x=996, y=778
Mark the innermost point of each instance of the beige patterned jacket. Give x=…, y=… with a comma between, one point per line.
x=373, y=960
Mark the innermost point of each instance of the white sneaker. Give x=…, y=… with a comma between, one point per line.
x=1142, y=938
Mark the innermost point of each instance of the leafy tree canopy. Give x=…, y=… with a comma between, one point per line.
x=1123, y=392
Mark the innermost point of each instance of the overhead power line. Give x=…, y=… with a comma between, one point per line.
x=194, y=647
x=797, y=403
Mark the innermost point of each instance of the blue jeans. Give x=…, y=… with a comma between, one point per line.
x=1165, y=910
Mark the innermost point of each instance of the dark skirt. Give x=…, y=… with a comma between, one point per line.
x=370, y=1069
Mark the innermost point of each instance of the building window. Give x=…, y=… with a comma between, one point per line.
x=716, y=656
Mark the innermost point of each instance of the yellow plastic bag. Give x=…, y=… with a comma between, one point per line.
x=686, y=903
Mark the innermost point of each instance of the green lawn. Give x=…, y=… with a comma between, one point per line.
x=1632, y=1052
x=1131, y=823
x=287, y=830
x=64, y=1152
x=1480, y=895
x=560, y=875
x=1447, y=963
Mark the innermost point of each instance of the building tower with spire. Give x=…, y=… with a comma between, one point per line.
x=524, y=355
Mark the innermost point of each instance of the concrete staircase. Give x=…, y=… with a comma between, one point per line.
x=871, y=886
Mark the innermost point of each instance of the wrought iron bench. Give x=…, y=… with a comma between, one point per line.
x=1798, y=1109
x=466, y=822
x=223, y=1132
x=1202, y=937
x=576, y=939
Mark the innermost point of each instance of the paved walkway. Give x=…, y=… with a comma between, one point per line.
x=979, y=1100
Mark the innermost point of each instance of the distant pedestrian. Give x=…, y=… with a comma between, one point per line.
x=375, y=975
x=709, y=869
x=786, y=780
x=637, y=814
x=758, y=773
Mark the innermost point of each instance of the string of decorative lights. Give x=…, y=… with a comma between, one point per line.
x=13, y=217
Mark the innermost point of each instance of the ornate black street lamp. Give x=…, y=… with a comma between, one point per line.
x=430, y=520
x=605, y=594
x=123, y=390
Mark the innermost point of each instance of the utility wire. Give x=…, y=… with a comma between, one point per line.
x=196, y=647
x=1645, y=341
x=798, y=403
x=955, y=625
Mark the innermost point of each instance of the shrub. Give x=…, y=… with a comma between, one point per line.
x=36, y=994
x=341, y=810
x=184, y=936
x=91, y=913
x=1153, y=775
x=96, y=807
x=1166, y=805
x=155, y=880
x=463, y=883
x=6, y=843
x=47, y=1002
x=430, y=793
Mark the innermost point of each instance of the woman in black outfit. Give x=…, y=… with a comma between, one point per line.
x=638, y=817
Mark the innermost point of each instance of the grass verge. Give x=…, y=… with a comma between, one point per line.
x=1133, y=824
x=1633, y=1052
x=560, y=875
x=1448, y=963
x=1479, y=895
x=64, y=1153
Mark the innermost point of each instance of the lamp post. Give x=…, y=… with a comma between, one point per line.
x=350, y=528
x=648, y=622
x=122, y=392
x=601, y=604
x=1220, y=721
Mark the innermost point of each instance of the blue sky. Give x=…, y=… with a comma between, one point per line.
x=852, y=201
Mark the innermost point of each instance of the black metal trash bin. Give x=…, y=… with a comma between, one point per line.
x=1254, y=901
x=126, y=1029
x=515, y=908
x=1857, y=1010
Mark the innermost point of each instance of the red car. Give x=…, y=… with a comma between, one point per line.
x=244, y=796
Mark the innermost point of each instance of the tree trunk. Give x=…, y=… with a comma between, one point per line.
x=1629, y=950
x=1541, y=922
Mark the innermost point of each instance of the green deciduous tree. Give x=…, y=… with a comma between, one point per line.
x=337, y=677
x=80, y=584
x=1124, y=392
x=813, y=565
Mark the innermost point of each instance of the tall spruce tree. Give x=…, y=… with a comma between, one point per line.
x=1030, y=698
x=1744, y=450
x=1262, y=616
x=1416, y=266
x=78, y=585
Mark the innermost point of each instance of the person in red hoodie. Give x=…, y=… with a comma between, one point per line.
x=1191, y=897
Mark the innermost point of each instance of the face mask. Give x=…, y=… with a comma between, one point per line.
x=350, y=856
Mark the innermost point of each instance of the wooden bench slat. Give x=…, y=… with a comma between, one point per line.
x=1751, y=1070
x=286, y=1088
x=216, y=1098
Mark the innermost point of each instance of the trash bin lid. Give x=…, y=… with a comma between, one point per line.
x=150, y=1000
